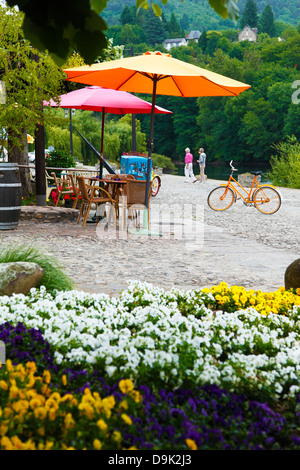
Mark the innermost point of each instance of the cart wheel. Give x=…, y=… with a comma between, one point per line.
x=155, y=185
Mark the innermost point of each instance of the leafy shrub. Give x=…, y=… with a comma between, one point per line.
x=60, y=159
x=285, y=165
x=163, y=162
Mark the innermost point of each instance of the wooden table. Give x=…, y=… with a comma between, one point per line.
x=112, y=184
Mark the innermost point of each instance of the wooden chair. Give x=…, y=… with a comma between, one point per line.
x=135, y=200
x=119, y=192
x=93, y=195
x=65, y=185
x=75, y=190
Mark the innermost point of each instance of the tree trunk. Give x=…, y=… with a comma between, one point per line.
x=40, y=166
x=18, y=153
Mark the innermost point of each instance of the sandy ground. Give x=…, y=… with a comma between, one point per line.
x=190, y=245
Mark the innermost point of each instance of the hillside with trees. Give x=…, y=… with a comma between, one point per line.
x=245, y=127
x=197, y=14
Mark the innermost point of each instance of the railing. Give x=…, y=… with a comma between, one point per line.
x=61, y=169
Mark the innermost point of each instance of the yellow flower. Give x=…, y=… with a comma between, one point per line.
x=108, y=402
x=40, y=412
x=6, y=443
x=191, y=444
x=28, y=445
x=47, y=376
x=126, y=385
x=51, y=414
x=9, y=366
x=3, y=385
x=69, y=421
x=34, y=403
x=13, y=391
x=126, y=419
x=3, y=429
x=97, y=444
x=102, y=424
x=135, y=394
x=64, y=379
x=31, y=367
x=123, y=404
x=67, y=397
x=87, y=409
x=17, y=443
x=116, y=436
x=20, y=406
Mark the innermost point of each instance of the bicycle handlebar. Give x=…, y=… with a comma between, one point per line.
x=233, y=169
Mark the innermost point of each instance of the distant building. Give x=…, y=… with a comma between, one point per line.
x=248, y=34
x=169, y=43
x=193, y=36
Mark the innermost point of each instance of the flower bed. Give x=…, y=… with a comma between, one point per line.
x=219, y=362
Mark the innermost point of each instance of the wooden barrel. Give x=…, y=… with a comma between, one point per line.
x=10, y=196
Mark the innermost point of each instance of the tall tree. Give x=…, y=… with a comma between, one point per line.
x=266, y=21
x=174, y=27
x=249, y=16
x=126, y=16
x=154, y=29
x=184, y=22
x=30, y=77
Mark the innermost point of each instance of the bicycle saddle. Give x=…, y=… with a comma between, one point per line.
x=255, y=173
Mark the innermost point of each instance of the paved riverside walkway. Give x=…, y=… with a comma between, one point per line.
x=196, y=247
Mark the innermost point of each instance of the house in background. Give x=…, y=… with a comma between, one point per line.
x=169, y=43
x=193, y=36
x=248, y=34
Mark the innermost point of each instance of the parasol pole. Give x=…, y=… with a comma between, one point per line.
x=101, y=149
x=150, y=141
x=71, y=134
x=144, y=230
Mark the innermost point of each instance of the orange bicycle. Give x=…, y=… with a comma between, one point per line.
x=264, y=197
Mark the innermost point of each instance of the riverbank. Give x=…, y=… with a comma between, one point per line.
x=240, y=246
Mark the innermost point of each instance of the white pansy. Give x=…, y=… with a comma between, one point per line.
x=120, y=330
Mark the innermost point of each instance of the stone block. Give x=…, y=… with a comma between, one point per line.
x=292, y=275
x=19, y=277
x=246, y=179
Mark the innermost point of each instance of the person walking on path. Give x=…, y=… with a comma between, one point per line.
x=189, y=166
x=202, y=162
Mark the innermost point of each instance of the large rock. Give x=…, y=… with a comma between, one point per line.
x=19, y=277
x=292, y=275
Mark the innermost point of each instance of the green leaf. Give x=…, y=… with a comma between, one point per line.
x=142, y=4
x=225, y=8
x=98, y=5
x=156, y=8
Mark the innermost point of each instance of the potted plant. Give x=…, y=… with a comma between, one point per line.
x=69, y=200
x=60, y=159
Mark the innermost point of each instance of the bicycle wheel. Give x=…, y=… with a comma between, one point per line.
x=221, y=198
x=267, y=200
x=155, y=185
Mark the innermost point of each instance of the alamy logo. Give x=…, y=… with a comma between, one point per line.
x=296, y=94
x=184, y=222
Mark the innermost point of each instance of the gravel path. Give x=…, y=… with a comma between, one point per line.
x=196, y=247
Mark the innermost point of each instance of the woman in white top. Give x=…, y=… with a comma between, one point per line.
x=202, y=161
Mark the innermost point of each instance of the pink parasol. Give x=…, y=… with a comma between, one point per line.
x=95, y=98
x=105, y=100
